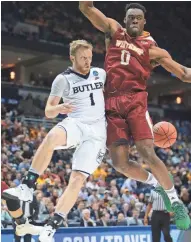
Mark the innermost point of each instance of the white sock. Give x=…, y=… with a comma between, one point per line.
x=151, y=180
x=33, y=171
x=172, y=195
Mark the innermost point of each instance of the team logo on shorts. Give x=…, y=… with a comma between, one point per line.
x=95, y=73
x=100, y=156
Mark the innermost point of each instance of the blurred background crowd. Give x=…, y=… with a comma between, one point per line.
x=107, y=198
x=35, y=40
x=63, y=22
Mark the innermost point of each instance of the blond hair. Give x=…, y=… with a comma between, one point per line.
x=76, y=44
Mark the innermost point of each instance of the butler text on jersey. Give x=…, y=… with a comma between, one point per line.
x=88, y=87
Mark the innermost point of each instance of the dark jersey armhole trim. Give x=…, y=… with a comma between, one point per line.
x=113, y=37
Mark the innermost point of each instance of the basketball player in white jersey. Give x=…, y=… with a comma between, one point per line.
x=81, y=88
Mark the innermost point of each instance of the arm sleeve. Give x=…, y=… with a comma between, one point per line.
x=60, y=86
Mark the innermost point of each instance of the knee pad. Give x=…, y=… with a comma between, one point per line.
x=13, y=205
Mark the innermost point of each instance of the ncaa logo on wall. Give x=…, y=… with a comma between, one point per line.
x=95, y=73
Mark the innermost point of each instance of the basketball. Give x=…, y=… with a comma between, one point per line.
x=165, y=134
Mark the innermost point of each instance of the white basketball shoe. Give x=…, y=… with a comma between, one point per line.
x=27, y=228
x=47, y=234
x=22, y=192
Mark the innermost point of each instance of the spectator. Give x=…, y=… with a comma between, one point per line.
x=6, y=219
x=86, y=221
x=100, y=172
x=130, y=185
x=17, y=181
x=126, y=210
x=134, y=220
x=107, y=197
x=77, y=214
x=43, y=213
x=121, y=221
x=115, y=197
x=93, y=197
x=185, y=196
x=104, y=220
x=94, y=211
x=41, y=180
x=54, y=196
x=114, y=211
x=127, y=197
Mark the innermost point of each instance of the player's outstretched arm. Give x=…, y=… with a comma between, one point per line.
x=97, y=18
x=162, y=57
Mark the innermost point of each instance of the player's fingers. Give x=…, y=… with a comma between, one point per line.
x=67, y=109
x=64, y=110
x=67, y=105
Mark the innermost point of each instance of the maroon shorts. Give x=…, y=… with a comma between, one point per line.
x=127, y=117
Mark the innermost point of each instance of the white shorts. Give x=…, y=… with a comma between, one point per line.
x=90, y=140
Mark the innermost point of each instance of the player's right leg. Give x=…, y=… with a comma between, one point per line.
x=64, y=205
x=41, y=160
x=118, y=144
x=57, y=136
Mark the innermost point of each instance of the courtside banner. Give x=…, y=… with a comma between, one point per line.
x=102, y=234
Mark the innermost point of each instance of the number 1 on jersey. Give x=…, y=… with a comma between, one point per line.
x=92, y=99
x=125, y=57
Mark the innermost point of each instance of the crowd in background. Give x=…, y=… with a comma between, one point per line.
x=107, y=198
x=62, y=22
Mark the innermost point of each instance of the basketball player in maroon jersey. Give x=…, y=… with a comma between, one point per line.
x=131, y=55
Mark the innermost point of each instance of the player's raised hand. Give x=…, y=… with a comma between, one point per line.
x=65, y=108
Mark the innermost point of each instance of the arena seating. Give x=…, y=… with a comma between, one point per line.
x=106, y=191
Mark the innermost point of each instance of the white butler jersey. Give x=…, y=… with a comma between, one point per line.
x=86, y=125
x=84, y=92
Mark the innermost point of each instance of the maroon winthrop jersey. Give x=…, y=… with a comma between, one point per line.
x=127, y=63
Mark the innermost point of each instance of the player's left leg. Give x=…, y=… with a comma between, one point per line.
x=64, y=133
x=16, y=213
x=86, y=159
x=141, y=129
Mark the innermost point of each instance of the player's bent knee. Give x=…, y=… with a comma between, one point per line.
x=77, y=180
x=55, y=137
x=120, y=158
x=119, y=149
x=13, y=205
